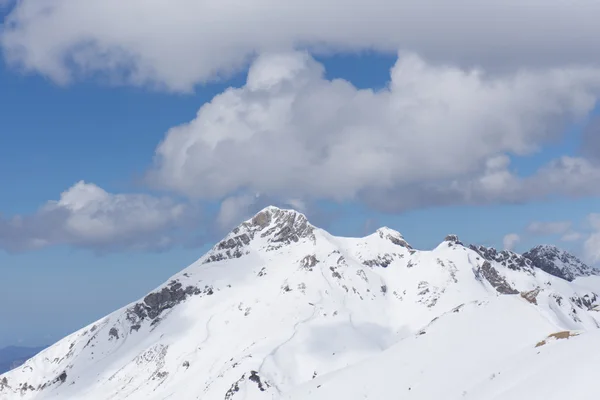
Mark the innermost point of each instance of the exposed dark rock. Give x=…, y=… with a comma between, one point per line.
x=309, y=262
x=155, y=303
x=490, y=273
x=393, y=236
x=559, y=263
x=382, y=261
x=254, y=377
x=113, y=333
x=234, y=388
x=61, y=378
x=4, y=383
x=335, y=273
x=587, y=301
x=508, y=259
x=280, y=227
x=452, y=239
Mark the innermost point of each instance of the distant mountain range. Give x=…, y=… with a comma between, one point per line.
x=13, y=356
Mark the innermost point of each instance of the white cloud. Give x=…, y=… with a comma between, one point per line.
x=87, y=216
x=235, y=209
x=593, y=221
x=549, y=228
x=510, y=241
x=176, y=44
x=591, y=245
x=571, y=237
x=592, y=248
x=437, y=135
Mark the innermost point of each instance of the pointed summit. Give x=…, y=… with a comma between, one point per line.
x=271, y=228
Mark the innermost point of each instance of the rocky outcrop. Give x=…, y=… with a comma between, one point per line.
x=156, y=302
x=559, y=263
x=272, y=226
x=489, y=273
x=393, y=236
x=452, y=240
x=531, y=296
x=508, y=259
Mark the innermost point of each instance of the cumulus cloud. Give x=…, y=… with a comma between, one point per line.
x=179, y=43
x=234, y=209
x=510, y=241
x=591, y=139
x=591, y=244
x=89, y=217
x=571, y=237
x=437, y=135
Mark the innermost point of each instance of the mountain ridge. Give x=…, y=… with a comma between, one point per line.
x=278, y=302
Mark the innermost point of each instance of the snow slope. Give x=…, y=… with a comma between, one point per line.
x=279, y=307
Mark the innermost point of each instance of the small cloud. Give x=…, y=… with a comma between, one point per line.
x=510, y=241
x=297, y=204
x=591, y=248
x=593, y=221
x=571, y=237
x=549, y=228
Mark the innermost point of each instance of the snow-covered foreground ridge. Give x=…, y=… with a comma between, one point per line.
x=280, y=309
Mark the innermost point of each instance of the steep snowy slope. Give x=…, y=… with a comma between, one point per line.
x=279, y=304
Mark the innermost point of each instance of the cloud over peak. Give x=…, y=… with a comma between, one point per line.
x=436, y=135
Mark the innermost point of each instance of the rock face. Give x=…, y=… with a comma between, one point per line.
x=155, y=303
x=508, y=259
x=559, y=263
x=279, y=303
x=453, y=240
x=497, y=281
x=275, y=227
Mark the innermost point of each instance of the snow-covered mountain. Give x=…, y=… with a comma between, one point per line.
x=280, y=309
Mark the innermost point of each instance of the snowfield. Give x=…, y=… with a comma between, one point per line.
x=280, y=309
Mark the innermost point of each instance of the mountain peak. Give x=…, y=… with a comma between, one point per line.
x=270, y=229
x=271, y=213
x=558, y=262
x=452, y=239
x=393, y=236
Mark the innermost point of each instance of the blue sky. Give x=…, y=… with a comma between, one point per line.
x=64, y=266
